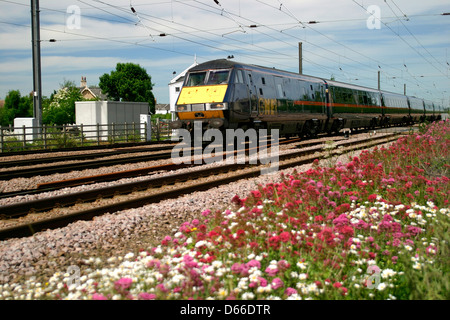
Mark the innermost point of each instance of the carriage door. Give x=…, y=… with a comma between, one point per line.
x=254, y=101
x=327, y=97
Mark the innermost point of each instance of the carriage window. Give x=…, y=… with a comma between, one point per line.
x=218, y=77
x=196, y=79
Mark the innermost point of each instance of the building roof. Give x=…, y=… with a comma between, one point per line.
x=162, y=106
x=94, y=91
x=180, y=77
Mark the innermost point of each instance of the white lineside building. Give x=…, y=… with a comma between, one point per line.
x=175, y=88
x=91, y=113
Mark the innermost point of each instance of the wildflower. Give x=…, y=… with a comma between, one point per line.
x=290, y=291
x=409, y=248
x=277, y=283
x=98, y=296
x=123, y=284
x=248, y=296
x=272, y=270
x=302, y=265
x=146, y=296
x=381, y=286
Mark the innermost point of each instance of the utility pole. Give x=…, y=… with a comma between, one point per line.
x=37, y=85
x=300, y=57
x=379, y=84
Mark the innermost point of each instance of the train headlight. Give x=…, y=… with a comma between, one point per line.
x=218, y=106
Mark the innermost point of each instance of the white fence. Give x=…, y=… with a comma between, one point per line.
x=72, y=136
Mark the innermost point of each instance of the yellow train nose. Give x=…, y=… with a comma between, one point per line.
x=202, y=94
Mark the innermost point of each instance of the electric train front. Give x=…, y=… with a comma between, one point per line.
x=202, y=98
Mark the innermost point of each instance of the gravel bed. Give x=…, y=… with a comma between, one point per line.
x=116, y=234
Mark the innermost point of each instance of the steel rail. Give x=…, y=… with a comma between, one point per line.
x=92, y=164
x=87, y=156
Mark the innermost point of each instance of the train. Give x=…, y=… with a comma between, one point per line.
x=223, y=94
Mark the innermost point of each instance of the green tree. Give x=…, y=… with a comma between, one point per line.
x=129, y=82
x=61, y=107
x=15, y=106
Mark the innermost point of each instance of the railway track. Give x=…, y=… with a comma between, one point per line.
x=160, y=188
x=91, y=164
x=85, y=164
x=82, y=156
x=56, y=185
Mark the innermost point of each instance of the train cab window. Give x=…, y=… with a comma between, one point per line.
x=218, y=77
x=196, y=79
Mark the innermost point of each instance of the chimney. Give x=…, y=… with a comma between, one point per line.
x=83, y=83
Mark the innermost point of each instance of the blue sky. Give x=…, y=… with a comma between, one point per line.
x=411, y=45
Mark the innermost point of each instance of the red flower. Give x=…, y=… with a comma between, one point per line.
x=256, y=194
x=284, y=236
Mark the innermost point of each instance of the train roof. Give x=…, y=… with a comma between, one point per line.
x=227, y=64
x=350, y=86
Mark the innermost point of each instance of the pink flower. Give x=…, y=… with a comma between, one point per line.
x=290, y=291
x=271, y=271
x=253, y=263
x=146, y=296
x=341, y=220
x=123, y=284
x=277, y=283
x=262, y=282
x=206, y=213
x=98, y=296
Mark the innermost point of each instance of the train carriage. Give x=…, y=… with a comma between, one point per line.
x=357, y=106
x=396, y=108
x=417, y=109
x=430, y=113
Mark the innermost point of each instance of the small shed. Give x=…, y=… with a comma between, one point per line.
x=109, y=115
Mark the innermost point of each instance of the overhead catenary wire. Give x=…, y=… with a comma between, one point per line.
x=406, y=42
x=184, y=32
x=409, y=31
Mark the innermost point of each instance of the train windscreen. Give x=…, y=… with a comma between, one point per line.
x=218, y=77
x=212, y=77
x=196, y=79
